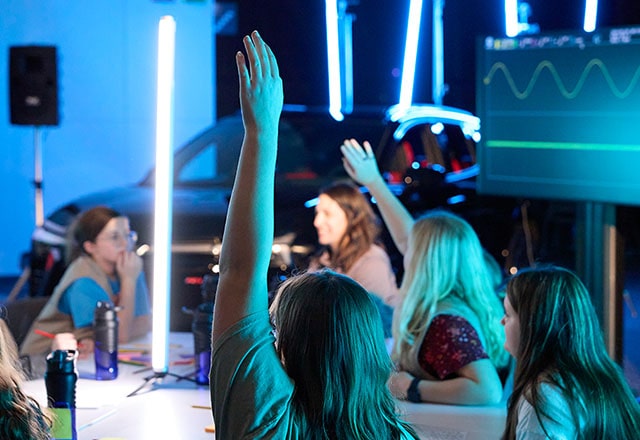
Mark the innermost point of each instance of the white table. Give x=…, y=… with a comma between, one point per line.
x=161, y=410
x=173, y=409
x=452, y=422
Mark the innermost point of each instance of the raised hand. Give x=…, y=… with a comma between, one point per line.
x=261, y=95
x=248, y=233
x=360, y=162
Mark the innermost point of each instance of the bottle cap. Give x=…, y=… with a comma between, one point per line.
x=105, y=310
x=61, y=361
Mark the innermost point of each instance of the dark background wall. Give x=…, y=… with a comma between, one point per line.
x=295, y=29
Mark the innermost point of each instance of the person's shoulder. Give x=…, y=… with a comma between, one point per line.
x=377, y=250
x=554, y=412
x=375, y=253
x=251, y=326
x=553, y=396
x=83, y=284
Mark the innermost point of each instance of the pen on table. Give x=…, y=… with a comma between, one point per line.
x=43, y=333
x=135, y=363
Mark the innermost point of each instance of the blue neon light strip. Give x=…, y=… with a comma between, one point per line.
x=511, y=17
x=410, y=53
x=333, y=60
x=590, y=15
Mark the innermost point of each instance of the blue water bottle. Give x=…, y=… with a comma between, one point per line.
x=105, y=328
x=60, y=380
x=201, y=328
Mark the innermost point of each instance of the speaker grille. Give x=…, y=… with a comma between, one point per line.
x=33, y=85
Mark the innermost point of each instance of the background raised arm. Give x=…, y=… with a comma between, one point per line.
x=248, y=233
x=360, y=163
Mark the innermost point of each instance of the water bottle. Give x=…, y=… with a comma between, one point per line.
x=60, y=379
x=201, y=328
x=105, y=328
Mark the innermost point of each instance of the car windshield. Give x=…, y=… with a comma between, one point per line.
x=309, y=148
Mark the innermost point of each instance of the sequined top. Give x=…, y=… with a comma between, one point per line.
x=450, y=343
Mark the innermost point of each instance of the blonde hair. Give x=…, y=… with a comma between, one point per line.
x=20, y=415
x=446, y=261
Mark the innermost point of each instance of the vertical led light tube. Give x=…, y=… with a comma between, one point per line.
x=410, y=53
x=346, y=21
x=438, y=87
x=590, y=15
x=163, y=196
x=333, y=60
x=511, y=17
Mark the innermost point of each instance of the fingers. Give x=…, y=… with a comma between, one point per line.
x=356, y=151
x=348, y=168
x=353, y=152
x=262, y=61
x=243, y=73
x=252, y=56
x=368, y=150
x=265, y=58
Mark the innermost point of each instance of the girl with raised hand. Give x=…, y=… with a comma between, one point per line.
x=448, y=344
x=323, y=374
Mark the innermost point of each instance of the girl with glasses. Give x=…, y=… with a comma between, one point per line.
x=102, y=267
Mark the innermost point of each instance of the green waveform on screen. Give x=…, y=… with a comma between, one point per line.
x=562, y=145
x=568, y=94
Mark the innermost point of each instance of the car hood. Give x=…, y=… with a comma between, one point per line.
x=198, y=213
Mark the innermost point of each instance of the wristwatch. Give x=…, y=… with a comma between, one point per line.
x=413, y=393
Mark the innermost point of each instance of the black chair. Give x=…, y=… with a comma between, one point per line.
x=20, y=314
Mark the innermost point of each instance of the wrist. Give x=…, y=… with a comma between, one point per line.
x=413, y=392
x=377, y=184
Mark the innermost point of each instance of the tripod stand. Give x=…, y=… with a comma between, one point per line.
x=155, y=379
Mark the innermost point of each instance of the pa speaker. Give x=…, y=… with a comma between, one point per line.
x=33, y=85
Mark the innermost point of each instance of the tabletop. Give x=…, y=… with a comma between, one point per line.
x=166, y=407
x=172, y=407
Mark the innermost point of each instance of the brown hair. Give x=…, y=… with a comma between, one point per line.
x=362, y=224
x=86, y=227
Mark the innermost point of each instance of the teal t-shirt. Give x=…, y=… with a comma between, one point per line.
x=250, y=391
x=80, y=298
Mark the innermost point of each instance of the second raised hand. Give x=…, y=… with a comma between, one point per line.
x=359, y=162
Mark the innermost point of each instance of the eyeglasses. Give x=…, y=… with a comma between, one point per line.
x=117, y=237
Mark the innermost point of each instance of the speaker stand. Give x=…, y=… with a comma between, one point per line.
x=37, y=181
x=39, y=207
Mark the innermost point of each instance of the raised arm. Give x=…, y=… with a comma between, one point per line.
x=248, y=233
x=360, y=163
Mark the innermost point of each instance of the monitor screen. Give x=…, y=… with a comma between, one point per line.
x=560, y=115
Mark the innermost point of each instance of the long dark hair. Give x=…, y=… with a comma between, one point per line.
x=329, y=337
x=561, y=344
x=86, y=227
x=363, y=226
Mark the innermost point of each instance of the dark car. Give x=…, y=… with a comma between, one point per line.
x=426, y=152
